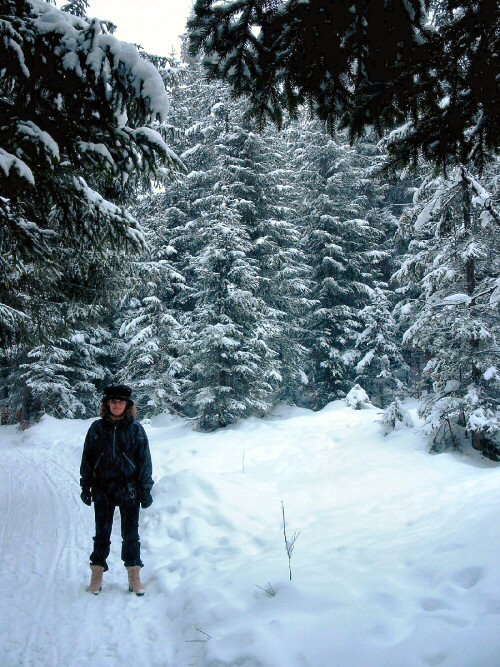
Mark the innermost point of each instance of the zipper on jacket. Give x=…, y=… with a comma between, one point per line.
x=114, y=438
x=97, y=462
x=131, y=463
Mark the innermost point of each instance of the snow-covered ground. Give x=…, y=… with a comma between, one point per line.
x=396, y=563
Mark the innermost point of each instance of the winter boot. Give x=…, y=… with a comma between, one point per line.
x=134, y=580
x=95, y=586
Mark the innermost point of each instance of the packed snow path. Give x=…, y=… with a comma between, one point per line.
x=396, y=564
x=47, y=618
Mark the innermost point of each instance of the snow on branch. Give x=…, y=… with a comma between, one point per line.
x=12, y=40
x=85, y=43
x=9, y=316
x=150, y=137
x=100, y=206
x=31, y=132
x=9, y=162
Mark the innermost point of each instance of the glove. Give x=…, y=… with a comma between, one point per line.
x=86, y=495
x=146, y=498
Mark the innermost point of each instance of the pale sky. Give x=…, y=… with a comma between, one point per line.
x=154, y=24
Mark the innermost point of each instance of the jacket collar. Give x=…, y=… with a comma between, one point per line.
x=121, y=423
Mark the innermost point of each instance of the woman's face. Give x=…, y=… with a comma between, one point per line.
x=117, y=406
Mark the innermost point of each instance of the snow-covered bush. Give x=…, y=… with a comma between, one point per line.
x=395, y=417
x=357, y=398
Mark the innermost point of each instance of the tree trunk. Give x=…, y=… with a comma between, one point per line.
x=477, y=440
x=26, y=409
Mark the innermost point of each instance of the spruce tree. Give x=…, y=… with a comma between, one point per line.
x=263, y=187
x=381, y=368
x=232, y=180
x=150, y=331
x=230, y=363
x=345, y=218
x=453, y=259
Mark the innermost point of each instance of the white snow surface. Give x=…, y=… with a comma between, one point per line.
x=396, y=563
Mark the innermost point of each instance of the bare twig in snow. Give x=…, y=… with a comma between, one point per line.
x=289, y=544
x=192, y=641
x=269, y=590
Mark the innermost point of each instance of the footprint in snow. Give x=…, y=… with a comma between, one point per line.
x=469, y=577
x=435, y=659
x=434, y=604
x=207, y=489
x=174, y=509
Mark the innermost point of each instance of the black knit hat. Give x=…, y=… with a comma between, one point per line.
x=117, y=391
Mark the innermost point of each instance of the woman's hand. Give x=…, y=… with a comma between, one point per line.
x=86, y=495
x=146, y=498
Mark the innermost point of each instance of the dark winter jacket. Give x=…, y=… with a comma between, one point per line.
x=116, y=455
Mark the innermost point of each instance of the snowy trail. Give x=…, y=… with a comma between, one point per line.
x=47, y=618
x=35, y=547
x=396, y=564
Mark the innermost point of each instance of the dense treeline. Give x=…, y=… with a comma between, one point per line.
x=264, y=266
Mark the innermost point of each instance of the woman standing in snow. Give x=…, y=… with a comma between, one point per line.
x=116, y=471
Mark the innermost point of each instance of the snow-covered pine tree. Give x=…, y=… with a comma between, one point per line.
x=223, y=154
x=262, y=185
x=59, y=379
x=230, y=365
x=395, y=416
x=150, y=331
x=76, y=138
x=74, y=331
x=454, y=259
x=270, y=185
x=345, y=245
x=381, y=368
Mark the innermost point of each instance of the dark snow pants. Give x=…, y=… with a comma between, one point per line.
x=104, y=508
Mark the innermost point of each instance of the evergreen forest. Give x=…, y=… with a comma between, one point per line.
x=306, y=200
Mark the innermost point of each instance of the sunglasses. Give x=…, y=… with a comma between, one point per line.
x=116, y=401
